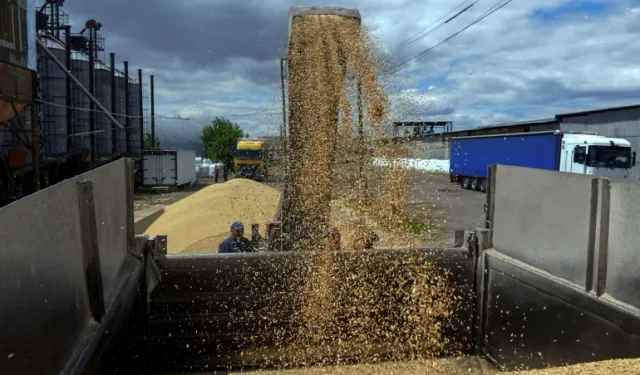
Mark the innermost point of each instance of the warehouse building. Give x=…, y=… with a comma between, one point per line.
x=436, y=146
x=618, y=122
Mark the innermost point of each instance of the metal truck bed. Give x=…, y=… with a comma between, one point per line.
x=550, y=281
x=243, y=306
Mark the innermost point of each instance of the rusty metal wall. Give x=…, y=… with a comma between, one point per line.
x=14, y=45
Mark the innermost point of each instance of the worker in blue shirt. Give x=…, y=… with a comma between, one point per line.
x=236, y=243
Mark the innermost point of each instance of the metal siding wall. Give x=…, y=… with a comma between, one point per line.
x=624, y=123
x=13, y=32
x=429, y=148
x=544, y=127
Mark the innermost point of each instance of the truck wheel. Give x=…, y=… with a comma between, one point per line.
x=466, y=183
x=475, y=184
x=483, y=185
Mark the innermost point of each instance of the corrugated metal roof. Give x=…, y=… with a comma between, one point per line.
x=498, y=126
x=592, y=111
x=421, y=123
x=520, y=123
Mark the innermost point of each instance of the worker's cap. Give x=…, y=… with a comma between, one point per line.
x=237, y=225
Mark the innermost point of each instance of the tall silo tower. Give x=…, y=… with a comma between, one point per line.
x=53, y=121
x=102, y=90
x=80, y=69
x=119, y=111
x=134, y=112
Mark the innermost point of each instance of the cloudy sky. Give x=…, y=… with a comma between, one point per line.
x=531, y=59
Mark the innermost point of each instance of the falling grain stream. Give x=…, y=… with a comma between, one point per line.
x=348, y=306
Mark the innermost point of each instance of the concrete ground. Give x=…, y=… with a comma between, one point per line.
x=451, y=207
x=446, y=205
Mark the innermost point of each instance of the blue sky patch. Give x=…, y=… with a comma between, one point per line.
x=438, y=81
x=573, y=7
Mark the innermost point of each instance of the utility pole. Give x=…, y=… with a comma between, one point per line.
x=140, y=110
x=153, y=116
x=127, y=109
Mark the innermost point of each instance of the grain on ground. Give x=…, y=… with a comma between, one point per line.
x=439, y=366
x=610, y=367
x=196, y=222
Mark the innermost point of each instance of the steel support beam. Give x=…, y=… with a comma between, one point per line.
x=127, y=113
x=114, y=131
x=153, y=116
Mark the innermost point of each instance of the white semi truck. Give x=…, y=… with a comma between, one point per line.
x=585, y=153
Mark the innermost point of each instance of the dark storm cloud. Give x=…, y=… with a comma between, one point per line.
x=197, y=34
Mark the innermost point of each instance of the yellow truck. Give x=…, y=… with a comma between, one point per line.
x=249, y=159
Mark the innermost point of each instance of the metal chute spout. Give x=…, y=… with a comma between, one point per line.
x=320, y=11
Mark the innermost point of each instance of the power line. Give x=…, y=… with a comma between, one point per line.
x=486, y=14
x=164, y=117
x=429, y=30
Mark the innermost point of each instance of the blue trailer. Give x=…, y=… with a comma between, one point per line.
x=585, y=153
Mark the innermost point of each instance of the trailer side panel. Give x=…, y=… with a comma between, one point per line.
x=470, y=156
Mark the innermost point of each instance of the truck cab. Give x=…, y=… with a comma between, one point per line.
x=596, y=155
x=249, y=159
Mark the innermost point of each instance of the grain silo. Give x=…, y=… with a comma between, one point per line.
x=134, y=120
x=81, y=115
x=53, y=120
x=119, y=111
x=103, y=125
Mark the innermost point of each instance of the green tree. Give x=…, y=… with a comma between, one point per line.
x=147, y=142
x=220, y=139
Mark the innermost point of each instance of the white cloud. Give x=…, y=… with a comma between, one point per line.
x=509, y=67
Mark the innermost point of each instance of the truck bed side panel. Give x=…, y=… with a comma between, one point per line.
x=559, y=283
x=186, y=171
x=471, y=156
x=50, y=270
x=239, y=310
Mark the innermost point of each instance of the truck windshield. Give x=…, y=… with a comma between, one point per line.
x=248, y=154
x=609, y=157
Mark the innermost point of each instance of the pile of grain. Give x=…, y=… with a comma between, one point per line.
x=468, y=365
x=611, y=367
x=441, y=366
x=198, y=223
